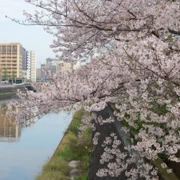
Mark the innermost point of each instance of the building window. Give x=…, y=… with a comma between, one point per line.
x=3, y=49
x=14, y=49
x=8, y=49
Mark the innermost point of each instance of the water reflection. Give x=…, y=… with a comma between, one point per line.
x=32, y=147
x=9, y=131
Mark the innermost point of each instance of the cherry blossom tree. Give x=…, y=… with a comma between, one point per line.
x=134, y=49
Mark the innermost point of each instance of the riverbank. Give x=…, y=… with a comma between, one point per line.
x=70, y=151
x=85, y=155
x=10, y=91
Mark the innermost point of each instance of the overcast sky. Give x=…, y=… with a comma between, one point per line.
x=32, y=38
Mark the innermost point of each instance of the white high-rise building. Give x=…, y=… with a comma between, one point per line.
x=31, y=72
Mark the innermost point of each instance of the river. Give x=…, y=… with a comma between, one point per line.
x=24, y=150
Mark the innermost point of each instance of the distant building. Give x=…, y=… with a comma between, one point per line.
x=11, y=57
x=38, y=74
x=55, y=66
x=51, y=65
x=43, y=73
x=52, y=61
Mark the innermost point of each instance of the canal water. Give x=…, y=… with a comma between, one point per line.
x=24, y=150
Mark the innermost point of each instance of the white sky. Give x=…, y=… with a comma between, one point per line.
x=31, y=37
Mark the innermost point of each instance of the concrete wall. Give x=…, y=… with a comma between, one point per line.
x=114, y=127
x=10, y=92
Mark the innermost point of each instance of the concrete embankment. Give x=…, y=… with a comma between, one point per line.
x=115, y=127
x=10, y=91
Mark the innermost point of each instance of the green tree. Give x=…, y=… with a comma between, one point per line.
x=5, y=75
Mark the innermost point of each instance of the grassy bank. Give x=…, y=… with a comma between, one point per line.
x=70, y=148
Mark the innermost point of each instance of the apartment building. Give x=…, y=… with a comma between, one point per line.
x=11, y=56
